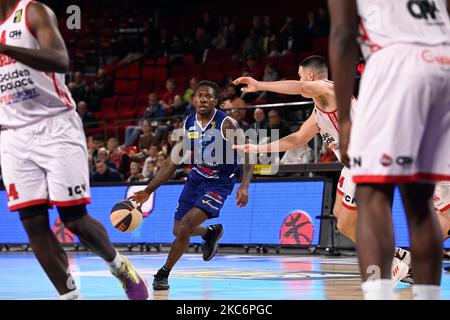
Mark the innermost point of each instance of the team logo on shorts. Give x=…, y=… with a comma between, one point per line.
x=386, y=160
x=208, y=202
x=214, y=196
x=18, y=16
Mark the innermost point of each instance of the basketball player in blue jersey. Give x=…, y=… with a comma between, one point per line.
x=208, y=184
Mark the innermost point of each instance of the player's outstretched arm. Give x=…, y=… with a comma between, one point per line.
x=291, y=142
x=308, y=89
x=164, y=173
x=231, y=130
x=52, y=55
x=343, y=56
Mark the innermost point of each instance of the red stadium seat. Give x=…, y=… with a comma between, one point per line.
x=148, y=73
x=126, y=102
x=125, y=114
x=213, y=66
x=145, y=86
x=126, y=87
x=141, y=101
x=216, y=77
x=195, y=69
x=188, y=59
x=178, y=71
x=109, y=103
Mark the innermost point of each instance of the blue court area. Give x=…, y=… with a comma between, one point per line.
x=226, y=277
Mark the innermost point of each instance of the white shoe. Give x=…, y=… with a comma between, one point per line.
x=399, y=271
x=403, y=255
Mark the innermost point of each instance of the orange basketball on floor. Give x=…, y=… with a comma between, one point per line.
x=126, y=216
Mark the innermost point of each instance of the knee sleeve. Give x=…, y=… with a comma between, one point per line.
x=33, y=211
x=72, y=213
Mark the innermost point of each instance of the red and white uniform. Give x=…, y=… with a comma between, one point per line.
x=401, y=126
x=328, y=123
x=441, y=197
x=43, y=146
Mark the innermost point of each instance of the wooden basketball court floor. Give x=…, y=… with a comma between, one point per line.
x=226, y=277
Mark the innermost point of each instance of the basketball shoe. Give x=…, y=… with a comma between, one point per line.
x=134, y=285
x=209, y=247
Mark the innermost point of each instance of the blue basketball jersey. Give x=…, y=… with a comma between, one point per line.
x=212, y=155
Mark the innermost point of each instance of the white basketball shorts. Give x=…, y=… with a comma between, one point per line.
x=46, y=163
x=346, y=189
x=401, y=125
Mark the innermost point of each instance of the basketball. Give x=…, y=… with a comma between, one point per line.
x=126, y=216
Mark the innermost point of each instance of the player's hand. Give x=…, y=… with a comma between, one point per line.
x=242, y=196
x=247, y=148
x=140, y=197
x=252, y=84
x=344, y=140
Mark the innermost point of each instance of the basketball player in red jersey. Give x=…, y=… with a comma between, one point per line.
x=401, y=132
x=43, y=146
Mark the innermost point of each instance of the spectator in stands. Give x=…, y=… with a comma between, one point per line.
x=94, y=143
x=200, y=44
x=160, y=159
x=310, y=31
x=86, y=116
x=252, y=44
x=276, y=122
x=271, y=43
x=267, y=24
x=298, y=156
x=103, y=173
x=163, y=46
x=289, y=38
x=79, y=87
x=178, y=107
x=233, y=101
x=208, y=25
x=257, y=26
x=170, y=93
x=323, y=22
x=176, y=48
x=250, y=66
x=154, y=110
x=118, y=156
x=135, y=173
x=190, y=106
x=104, y=155
x=270, y=74
x=220, y=40
x=234, y=37
x=236, y=115
x=260, y=120
x=149, y=169
x=189, y=91
x=146, y=140
x=102, y=87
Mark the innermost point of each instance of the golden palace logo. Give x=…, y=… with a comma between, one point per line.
x=18, y=16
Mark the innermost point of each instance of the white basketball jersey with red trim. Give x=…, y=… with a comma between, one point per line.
x=328, y=123
x=27, y=95
x=386, y=22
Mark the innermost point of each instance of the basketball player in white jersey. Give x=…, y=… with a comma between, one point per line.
x=43, y=147
x=400, y=131
x=324, y=120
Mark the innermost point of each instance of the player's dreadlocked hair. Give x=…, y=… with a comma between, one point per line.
x=212, y=85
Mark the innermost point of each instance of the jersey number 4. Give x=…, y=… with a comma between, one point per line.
x=12, y=192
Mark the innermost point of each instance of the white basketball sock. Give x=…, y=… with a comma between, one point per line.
x=116, y=264
x=380, y=289
x=71, y=295
x=426, y=292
